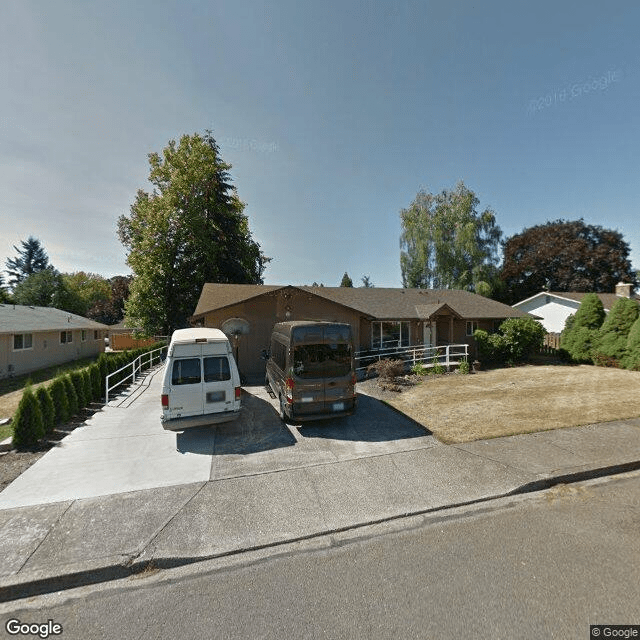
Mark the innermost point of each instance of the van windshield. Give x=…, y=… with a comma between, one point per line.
x=322, y=360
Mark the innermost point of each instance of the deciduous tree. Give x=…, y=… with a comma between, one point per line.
x=189, y=230
x=446, y=243
x=564, y=256
x=47, y=288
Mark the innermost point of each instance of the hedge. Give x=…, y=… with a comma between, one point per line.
x=58, y=393
x=28, y=425
x=46, y=407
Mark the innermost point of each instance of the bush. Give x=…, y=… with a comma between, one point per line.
x=78, y=385
x=28, y=425
x=581, y=330
x=96, y=381
x=491, y=348
x=611, y=342
x=387, y=369
x=87, y=386
x=72, y=396
x=437, y=369
x=419, y=369
x=517, y=339
x=46, y=407
x=631, y=359
x=464, y=367
x=58, y=393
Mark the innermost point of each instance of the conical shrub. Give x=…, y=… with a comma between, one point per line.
x=46, y=407
x=611, y=343
x=72, y=396
x=28, y=426
x=58, y=393
x=631, y=359
x=78, y=385
x=86, y=386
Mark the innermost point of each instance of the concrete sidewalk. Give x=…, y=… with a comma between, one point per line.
x=46, y=547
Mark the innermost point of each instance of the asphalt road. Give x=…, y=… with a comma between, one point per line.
x=542, y=565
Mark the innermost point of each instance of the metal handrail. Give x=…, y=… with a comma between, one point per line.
x=445, y=354
x=136, y=367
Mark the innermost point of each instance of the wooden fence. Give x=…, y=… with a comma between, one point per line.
x=122, y=341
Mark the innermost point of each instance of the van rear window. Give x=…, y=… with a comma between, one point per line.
x=322, y=360
x=186, y=371
x=216, y=369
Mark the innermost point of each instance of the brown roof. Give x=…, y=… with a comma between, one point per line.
x=607, y=299
x=375, y=302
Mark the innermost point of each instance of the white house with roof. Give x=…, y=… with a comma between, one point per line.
x=33, y=338
x=554, y=307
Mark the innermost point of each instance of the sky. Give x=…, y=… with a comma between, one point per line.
x=332, y=114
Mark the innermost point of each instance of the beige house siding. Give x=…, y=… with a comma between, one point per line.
x=47, y=350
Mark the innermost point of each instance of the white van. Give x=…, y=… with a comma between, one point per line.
x=201, y=384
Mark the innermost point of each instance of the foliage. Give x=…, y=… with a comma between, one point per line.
x=58, y=392
x=111, y=311
x=387, y=369
x=610, y=345
x=47, y=288
x=28, y=425
x=446, y=243
x=564, y=256
x=97, y=381
x=631, y=359
x=516, y=340
x=581, y=329
x=31, y=258
x=190, y=230
x=88, y=289
x=437, y=368
x=86, y=386
x=4, y=294
x=46, y=407
x=464, y=367
x=72, y=395
x=78, y=385
x=366, y=282
x=419, y=369
x=346, y=280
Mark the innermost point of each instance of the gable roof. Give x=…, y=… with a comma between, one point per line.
x=607, y=299
x=21, y=319
x=375, y=302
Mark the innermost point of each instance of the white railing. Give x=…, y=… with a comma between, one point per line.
x=144, y=361
x=446, y=355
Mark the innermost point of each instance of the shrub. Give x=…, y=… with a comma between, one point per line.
x=611, y=341
x=86, y=385
x=58, y=392
x=72, y=396
x=46, y=407
x=437, y=369
x=419, y=369
x=464, y=367
x=522, y=337
x=96, y=381
x=631, y=359
x=491, y=348
x=581, y=330
x=387, y=369
x=28, y=425
x=78, y=385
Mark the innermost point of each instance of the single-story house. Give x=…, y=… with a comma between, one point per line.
x=33, y=338
x=554, y=307
x=379, y=317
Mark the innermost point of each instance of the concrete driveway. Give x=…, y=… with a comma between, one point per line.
x=123, y=447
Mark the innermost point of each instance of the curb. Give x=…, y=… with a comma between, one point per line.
x=34, y=585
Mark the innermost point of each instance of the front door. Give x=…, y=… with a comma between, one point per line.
x=429, y=334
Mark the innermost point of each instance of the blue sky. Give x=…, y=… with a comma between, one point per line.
x=333, y=115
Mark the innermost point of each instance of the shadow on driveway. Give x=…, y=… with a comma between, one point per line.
x=373, y=421
x=258, y=428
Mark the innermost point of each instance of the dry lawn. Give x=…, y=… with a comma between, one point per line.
x=502, y=402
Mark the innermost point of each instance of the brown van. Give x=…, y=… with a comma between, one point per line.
x=311, y=370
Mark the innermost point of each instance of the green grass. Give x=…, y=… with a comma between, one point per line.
x=6, y=431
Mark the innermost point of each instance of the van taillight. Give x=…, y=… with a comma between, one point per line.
x=165, y=400
x=238, y=392
x=353, y=379
x=289, y=393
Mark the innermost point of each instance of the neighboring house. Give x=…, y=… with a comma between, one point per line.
x=379, y=317
x=554, y=307
x=121, y=338
x=33, y=338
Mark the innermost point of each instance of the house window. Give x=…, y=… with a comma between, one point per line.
x=22, y=341
x=84, y=336
x=389, y=334
x=95, y=334
x=472, y=326
x=65, y=337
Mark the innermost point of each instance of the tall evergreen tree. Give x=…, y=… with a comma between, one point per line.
x=446, y=243
x=31, y=258
x=346, y=280
x=190, y=230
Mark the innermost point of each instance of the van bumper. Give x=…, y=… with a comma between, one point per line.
x=320, y=413
x=180, y=424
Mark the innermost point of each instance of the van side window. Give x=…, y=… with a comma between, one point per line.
x=216, y=369
x=186, y=371
x=278, y=354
